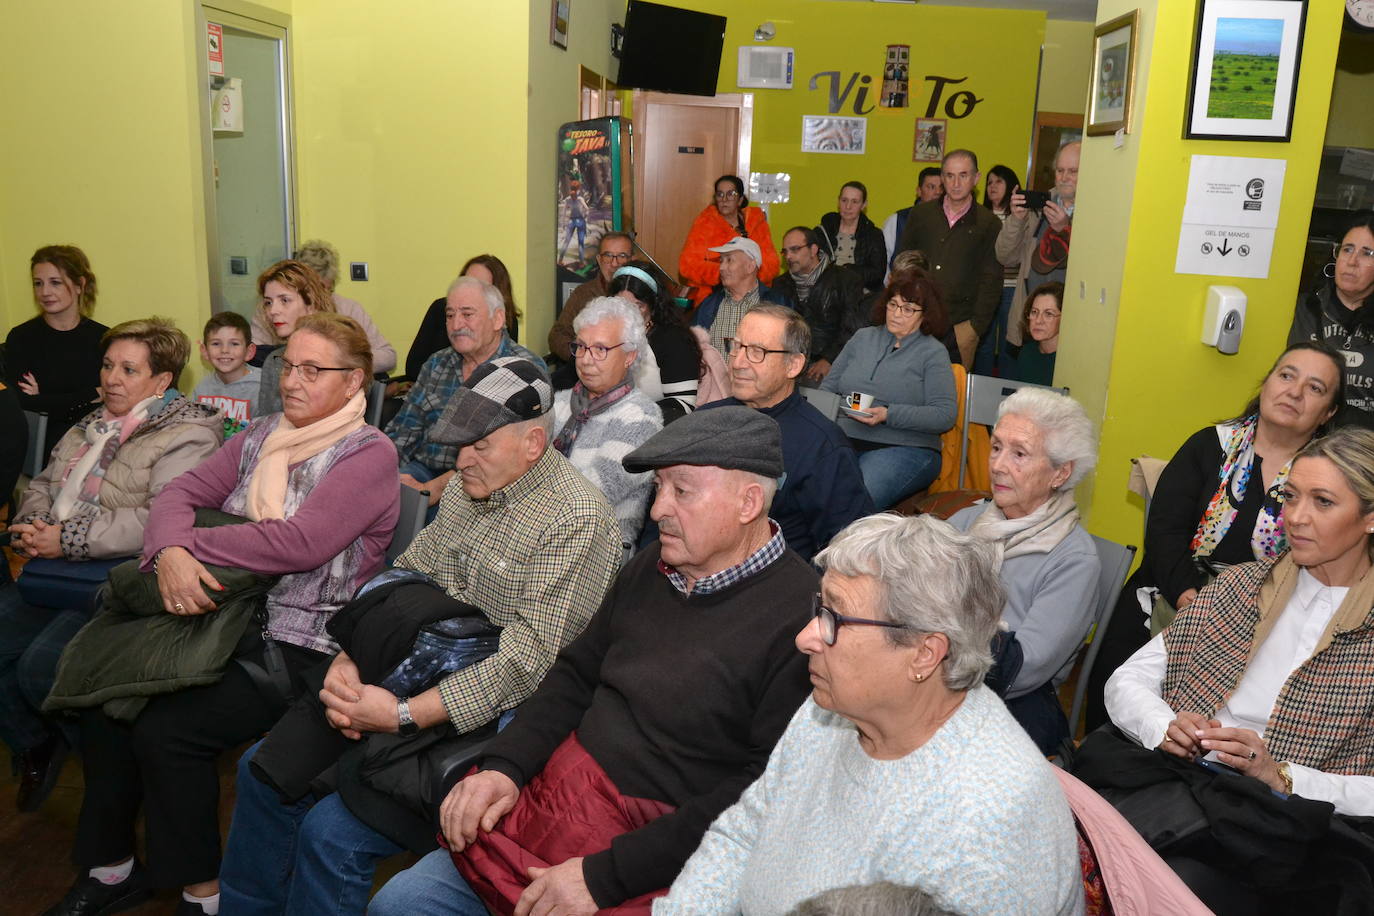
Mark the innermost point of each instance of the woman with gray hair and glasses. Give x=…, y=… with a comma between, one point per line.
x=901, y=766
x=608, y=414
x=1042, y=446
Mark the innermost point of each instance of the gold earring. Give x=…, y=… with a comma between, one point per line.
x=920, y=677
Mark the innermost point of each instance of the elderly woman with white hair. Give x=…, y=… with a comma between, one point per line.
x=607, y=415
x=901, y=766
x=323, y=258
x=1042, y=446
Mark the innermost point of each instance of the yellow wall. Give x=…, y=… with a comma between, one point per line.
x=1068, y=60
x=410, y=139
x=101, y=149
x=553, y=96
x=1349, y=123
x=999, y=60
x=1137, y=362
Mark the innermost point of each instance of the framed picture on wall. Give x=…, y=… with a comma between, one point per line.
x=558, y=23
x=822, y=134
x=1112, y=87
x=929, y=145
x=1245, y=70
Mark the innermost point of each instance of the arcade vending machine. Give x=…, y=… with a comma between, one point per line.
x=594, y=191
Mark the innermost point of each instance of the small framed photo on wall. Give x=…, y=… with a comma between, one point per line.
x=1112, y=88
x=929, y=145
x=558, y=23
x=1245, y=70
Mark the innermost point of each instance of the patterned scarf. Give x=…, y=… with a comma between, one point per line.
x=804, y=282
x=583, y=407
x=85, y=472
x=1268, y=539
x=289, y=445
x=1324, y=714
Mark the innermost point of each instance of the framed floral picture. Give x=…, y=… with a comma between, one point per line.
x=1112, y=88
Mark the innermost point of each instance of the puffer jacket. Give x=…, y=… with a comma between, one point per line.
x=176, y=436
x=133, y=649
x=870, y=248
x=700, y=266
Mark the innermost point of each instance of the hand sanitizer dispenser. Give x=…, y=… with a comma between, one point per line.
x=1224, y=319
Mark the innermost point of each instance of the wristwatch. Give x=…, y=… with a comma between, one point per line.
x=1286, y=775
x=407, y=726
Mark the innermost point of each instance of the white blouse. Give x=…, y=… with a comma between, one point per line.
x=1135, y=704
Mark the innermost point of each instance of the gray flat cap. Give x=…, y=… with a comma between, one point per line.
x=499, y=392
x=736, y=437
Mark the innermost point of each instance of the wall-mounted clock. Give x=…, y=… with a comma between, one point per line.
x=1359, y=15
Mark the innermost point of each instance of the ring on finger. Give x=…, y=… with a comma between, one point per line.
x=1252, y=755
x=179, y=606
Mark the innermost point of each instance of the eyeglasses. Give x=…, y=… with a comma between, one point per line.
x=752, y=352
x=1358, y=253
x=595, y=351
x=726, y=195
x=793, y=249
x=830, y=621
x=309, y=372
x=621, y=257
x=906, y=311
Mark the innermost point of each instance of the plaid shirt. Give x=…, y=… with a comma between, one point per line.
x=755, y=562
x=439, y=378
x=537, y=557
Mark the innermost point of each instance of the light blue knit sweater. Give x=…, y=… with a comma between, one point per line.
x=974, y=817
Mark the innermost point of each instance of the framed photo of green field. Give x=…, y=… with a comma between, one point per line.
x=1245, y=70
x=1113, y=75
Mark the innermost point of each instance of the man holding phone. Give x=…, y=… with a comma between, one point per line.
x=1035, y=237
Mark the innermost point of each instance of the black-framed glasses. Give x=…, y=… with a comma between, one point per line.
x=309, y=372
x=595, y=351
x=906, y=311
x=752, y=352
x=1361, y=254
x=831, y=621
x=617, y=256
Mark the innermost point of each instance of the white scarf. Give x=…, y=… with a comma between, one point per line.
x=1038, y=532
x=98, y=433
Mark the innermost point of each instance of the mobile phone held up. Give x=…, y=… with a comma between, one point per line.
x=1036, y=200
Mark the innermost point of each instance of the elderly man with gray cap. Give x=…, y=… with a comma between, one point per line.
x=522, y=536
x=657, y=717
x=739, y=291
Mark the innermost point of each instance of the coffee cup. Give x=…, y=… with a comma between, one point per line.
x=858, y=400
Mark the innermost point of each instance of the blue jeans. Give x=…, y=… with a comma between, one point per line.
x=430, y=887
x=424, y=474
x=31, y=642
x=297, y=858
x=991, y=355
x=894, y=472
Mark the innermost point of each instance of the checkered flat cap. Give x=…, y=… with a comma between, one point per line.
x=499, y=392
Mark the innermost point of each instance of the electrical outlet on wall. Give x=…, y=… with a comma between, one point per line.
x=357, y=271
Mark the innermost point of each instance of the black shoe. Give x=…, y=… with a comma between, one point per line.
x=187, y=908
x=89, y=897
x=39, y=768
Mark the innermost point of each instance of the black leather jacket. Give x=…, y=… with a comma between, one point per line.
x=870, y=250
x=830, y=308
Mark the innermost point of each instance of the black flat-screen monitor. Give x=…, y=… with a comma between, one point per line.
x=670, y=49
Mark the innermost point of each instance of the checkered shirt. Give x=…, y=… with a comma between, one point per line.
x=728, y=318
x=755, y=562
x=537, y=556
x=439, y=378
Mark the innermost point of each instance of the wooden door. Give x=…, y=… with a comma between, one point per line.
x=682, y=144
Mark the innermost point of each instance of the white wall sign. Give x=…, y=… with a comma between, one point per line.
x=227, y=111
x=1230, y=216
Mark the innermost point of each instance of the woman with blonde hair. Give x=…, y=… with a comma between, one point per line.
x=323, y=258
x=53, y=359
x=289, y=291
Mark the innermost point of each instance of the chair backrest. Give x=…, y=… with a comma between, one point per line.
x=376, y=397
x=982, y=396
x=827, y=402
x=1115, y=561
x=414, y=505
x=36, y=454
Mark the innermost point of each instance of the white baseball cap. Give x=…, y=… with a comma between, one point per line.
x=740, y=243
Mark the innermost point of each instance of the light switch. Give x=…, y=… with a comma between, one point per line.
x=357, y=271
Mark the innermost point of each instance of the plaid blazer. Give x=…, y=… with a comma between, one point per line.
x=1324, y=714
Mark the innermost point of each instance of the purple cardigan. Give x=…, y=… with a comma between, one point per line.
x=353, y=506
